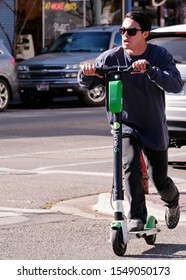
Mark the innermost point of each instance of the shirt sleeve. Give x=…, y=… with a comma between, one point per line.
x=165, y=74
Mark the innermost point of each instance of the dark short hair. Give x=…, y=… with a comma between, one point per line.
x=142, y=18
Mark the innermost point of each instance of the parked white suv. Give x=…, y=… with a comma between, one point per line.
x=173, y=38
x=8, y=77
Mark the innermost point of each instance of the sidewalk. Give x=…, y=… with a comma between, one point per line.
x=99, y=206
x=154, y=204
x=96, y=207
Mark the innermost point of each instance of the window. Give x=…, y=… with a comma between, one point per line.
x=82, y=42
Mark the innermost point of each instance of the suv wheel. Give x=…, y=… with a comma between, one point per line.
x=4, y=95
x=95, y=97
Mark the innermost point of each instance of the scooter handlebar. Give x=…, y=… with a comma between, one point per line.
x=118, y=68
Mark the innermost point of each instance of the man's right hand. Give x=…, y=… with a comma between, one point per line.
x=90, y=70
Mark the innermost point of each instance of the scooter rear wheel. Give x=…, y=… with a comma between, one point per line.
x=150, y=239
x=118, y=246
x=151, y=223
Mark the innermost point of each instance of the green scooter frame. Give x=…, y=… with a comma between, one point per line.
x=119, y=234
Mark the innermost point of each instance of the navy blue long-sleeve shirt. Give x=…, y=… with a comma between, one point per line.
x=143, y=113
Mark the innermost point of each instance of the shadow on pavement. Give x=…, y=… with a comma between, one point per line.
x=162, y=251
x=178, y=164
x=70, y=102
x=167, y=251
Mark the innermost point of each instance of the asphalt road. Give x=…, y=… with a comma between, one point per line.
x=58, y=154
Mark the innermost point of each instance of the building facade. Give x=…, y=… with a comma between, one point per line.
x=45, y=20
x=7, y=19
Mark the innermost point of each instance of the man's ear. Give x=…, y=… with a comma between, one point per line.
x=146, y=34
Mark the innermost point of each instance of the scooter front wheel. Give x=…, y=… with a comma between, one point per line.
x=118, y=245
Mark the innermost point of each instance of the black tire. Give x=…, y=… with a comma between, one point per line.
x=118, y=246
x=150, y=239
x=151, y=223
x=94, y=97
x=4, y=95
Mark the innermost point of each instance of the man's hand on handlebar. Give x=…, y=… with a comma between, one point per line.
x=90, y=70
x=140, y=66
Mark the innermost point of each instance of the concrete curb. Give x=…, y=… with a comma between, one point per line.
x=99, y=207
x=104, y=206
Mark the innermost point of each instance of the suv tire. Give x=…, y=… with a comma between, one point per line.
x=4, y=95
x=94, y=97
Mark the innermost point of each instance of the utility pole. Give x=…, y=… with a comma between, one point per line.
x=97, y=5
x=127, y=6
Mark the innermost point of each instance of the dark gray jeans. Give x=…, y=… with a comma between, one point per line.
x=157, y=169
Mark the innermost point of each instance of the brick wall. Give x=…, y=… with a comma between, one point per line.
x=7, y=21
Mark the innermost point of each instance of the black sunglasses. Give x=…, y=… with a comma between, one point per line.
x=130, y=31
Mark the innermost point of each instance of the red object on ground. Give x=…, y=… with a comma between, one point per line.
x=145, y=174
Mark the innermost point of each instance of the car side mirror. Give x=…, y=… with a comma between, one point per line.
x=44, y=50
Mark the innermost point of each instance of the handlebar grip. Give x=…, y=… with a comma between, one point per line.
x=138, y=71
x=147, y=66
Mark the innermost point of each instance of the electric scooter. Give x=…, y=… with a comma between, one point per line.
x=119, y=234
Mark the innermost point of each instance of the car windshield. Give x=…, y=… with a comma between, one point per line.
x=81, y=42
x=176, y=46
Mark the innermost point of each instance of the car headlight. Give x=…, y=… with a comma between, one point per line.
x=23, y=68
x=71, y=70
x=23, y=75
x=72, y=66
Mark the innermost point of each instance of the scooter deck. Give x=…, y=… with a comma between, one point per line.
x=143, y=233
